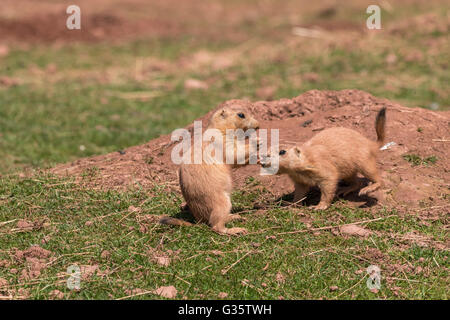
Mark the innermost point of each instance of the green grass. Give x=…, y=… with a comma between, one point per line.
x=416, y=160
x=69, y=102
x=77, y=100
x=77, y=225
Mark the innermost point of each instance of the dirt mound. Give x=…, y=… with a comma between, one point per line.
x=421, y=134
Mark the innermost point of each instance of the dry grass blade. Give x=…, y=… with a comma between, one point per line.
x=332, y=227
x=225, y=271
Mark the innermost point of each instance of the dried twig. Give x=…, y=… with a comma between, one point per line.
x=338, y=226
x=308, y=33
x=10, y=297
x=224, y=271
x=6, y=222
x=350, y=287
x=137, y=294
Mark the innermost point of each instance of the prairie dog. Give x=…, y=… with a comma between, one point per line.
x=332, y=155
x=207, y=187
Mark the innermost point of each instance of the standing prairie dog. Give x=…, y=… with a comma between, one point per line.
x=207, y=187
x=332, y=155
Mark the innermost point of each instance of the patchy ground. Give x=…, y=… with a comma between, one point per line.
x=113, y=20
x=101, y=214
x=139, y=69
x=415, y=132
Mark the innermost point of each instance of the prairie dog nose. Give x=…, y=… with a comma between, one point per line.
x=264, y=161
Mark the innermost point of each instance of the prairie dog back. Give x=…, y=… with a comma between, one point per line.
x=332, y=155
x=346, y=148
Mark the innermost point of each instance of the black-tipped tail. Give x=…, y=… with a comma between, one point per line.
x=380, y=126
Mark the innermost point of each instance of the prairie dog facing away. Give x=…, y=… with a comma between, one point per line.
x=207, y=186
x=332, y=155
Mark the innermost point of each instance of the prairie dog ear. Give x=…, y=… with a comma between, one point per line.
x=297, y=150
x=223, y=113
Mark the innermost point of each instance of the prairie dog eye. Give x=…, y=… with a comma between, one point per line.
x=241, y=115
x=282, y=152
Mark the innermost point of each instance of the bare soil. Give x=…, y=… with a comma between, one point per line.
x=424, y=188
x=31, y=22
x=34, y=22
x=51, y=28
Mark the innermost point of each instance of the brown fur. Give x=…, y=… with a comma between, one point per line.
x=174, y=221
x=207, y=187
x=332, y=155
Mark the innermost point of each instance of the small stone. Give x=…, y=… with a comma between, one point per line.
x=134, y=209
x=222, y=295
x=3, y=284
x=195, y=84
x=391, y=58
x=4, y=50
x=334, y=288
x=105, y=254
x=163, y=261
x=56, y=294
x=169, y=292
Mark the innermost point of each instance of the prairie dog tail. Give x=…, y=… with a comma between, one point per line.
x=380, y=126
x=174, y=221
